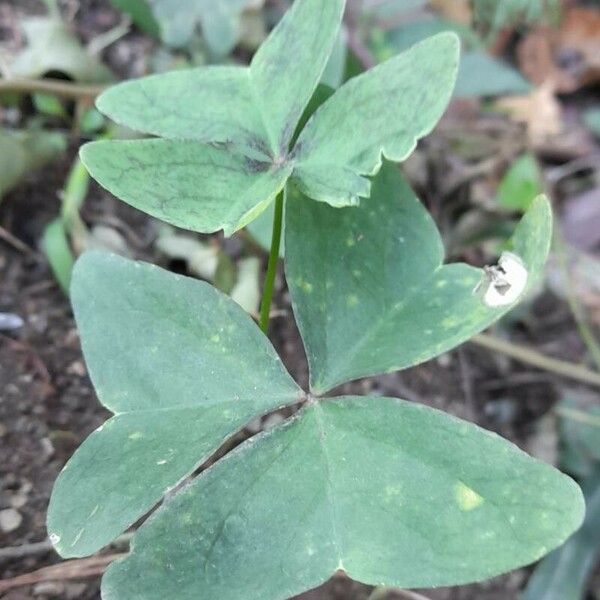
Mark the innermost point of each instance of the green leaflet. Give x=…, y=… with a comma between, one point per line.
x=384, y=111
x=186, y=183
x=368, y=287
x=287, y=67
x=391, y=492
x=181, y=366
x=253, y=113
x=209, y=104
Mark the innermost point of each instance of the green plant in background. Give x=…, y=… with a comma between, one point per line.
x=521, y=184
x=391, y=492
x=24, y=151
x=491, y=15
x=175, y=21
x=480, y=74
x=592, y=120
x=68, y=227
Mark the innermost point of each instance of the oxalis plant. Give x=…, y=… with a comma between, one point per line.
x=390, y=492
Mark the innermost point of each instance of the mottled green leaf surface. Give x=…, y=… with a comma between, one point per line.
x=288, y=66
x=181, y=366
x=368, y=287
x=391, y=492
x=186, y=183
x=208, y=104
x=384, y=111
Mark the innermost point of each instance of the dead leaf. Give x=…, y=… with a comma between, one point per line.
x=539, y=110
x=459, y=11
x=103, y=237
x=201, y=258
x=52, y=47
x=246, y=291
x=568, y=56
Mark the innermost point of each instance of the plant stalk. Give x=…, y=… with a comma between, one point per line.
x=64, y=89
x=267, y=297
x=585, y=331
x=537, y=359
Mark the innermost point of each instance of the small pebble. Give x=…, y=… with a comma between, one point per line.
x=10, y=519
x=47, y=447
x=74, y=591
x=10, y=322
x=77, y=368
x=49, y=588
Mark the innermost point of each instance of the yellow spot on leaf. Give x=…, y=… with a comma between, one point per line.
x=392, y=490
x=466, y=498
x=450, y=322
x=352, y=300
x=305, y=286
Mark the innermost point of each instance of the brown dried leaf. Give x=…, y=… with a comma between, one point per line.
x=568, y=56
x=459, y=11
x=539, y=110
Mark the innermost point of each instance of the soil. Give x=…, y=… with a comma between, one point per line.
x=48, y=406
